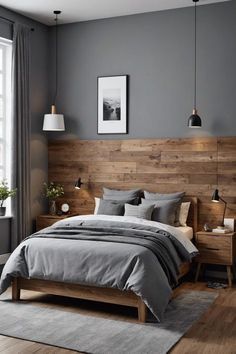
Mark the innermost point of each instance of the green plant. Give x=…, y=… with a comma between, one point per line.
x=5, y=192
x=53, y=191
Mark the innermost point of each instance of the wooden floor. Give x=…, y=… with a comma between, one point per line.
x=214, y=333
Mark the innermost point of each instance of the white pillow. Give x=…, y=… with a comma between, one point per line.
x=183, y=215
x=97, y=203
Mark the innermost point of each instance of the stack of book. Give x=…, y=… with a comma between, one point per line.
x=221, y=231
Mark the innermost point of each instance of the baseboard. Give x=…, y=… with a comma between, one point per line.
x=4, y=258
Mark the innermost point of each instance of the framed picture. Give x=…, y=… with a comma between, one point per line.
x=112, y=104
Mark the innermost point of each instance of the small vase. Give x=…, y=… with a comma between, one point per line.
x=2, y=211
x=52, y=207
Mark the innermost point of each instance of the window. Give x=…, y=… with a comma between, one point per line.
x=5, y=109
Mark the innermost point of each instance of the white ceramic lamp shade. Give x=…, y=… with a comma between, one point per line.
x=53, y=121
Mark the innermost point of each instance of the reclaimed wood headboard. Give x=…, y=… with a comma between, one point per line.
x=193, y=165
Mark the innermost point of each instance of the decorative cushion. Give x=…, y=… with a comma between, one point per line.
x=108, y=207
x=164, y=210
x=166, y=196
x=128, y=201
x=163, y=196
x=114, y=194
x=139, y=211
x=183, y=215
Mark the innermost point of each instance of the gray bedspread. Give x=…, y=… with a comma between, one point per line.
x=122, y=255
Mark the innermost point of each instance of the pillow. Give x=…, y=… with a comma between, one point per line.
x=161, y=196
x=168, y=196
x=139, y=211
x=128, y=201
x=97, y=202
x=114, y=194
x=183, y=215
x=164, y=210
x=108, y=207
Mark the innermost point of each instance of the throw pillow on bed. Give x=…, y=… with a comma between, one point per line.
x=167, y=196
x=164, y=210
x=108, y=207
x=183, y=215
x=115, y=194
x=121, y=202
x=163, y=196
x=139, y=211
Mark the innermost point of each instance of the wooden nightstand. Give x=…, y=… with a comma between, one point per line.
x=216, y=248
x=43, y=221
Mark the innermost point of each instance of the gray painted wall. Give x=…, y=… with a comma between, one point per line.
x=156, y=51
x=39, y=102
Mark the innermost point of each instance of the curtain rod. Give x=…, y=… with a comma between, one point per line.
x=8, y=20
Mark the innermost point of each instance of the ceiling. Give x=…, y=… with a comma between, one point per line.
x=84, y=10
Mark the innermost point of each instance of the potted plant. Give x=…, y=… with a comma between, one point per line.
x=52, y=192
x=5, y=193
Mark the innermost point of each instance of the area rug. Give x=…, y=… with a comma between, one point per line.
x=103, y=336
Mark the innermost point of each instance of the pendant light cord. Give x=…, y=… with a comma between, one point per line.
x=195, y=57
x=56, y=73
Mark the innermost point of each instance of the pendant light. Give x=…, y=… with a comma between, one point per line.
x=194, y=120
x=54, y=121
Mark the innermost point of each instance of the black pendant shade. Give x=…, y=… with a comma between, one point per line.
x=194, y=120
x=78, y=183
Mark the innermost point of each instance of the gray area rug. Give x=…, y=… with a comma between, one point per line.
x=103, y=336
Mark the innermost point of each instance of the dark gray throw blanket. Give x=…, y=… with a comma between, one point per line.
x=122, y=255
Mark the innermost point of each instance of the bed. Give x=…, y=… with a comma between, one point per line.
x=128, y=290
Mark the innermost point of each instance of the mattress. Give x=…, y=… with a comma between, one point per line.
x=187, y=231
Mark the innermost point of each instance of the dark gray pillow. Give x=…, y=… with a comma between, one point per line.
x=163, y=196
x=139, y=211
x=108, y=207
x=114, y=194
x=164, y=210
x=167, y=196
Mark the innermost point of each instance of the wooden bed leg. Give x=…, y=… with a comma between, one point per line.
x=15, y=290
x=142, y=311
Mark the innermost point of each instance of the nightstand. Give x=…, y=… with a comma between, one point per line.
x=216, y=248
x=43, y=221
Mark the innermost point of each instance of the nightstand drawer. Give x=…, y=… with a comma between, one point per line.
x=214, y=241
x=214, y=256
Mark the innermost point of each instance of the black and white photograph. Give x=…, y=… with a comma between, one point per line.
x=112, y=105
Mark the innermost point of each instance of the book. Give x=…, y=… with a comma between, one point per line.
x=221, y=231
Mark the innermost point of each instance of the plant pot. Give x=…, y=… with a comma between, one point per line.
x=2, y=211
x=52, y=207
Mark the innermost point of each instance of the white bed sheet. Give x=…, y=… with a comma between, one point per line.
x=187, y=231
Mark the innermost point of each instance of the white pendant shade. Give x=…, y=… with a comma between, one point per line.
x=53, y=122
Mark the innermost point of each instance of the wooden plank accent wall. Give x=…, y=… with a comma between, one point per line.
x=193, y=165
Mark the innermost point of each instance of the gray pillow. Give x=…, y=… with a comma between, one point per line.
x=139, y=211
x=167, y=196
x=162, y=196
x=164, y=210
x=108, y=207
x=114, y=194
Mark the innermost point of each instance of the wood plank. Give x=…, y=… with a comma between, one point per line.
x=157, y=165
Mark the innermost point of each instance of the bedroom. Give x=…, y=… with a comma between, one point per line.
x=150, y=47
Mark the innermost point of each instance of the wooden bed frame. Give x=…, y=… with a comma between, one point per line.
x=107, y=295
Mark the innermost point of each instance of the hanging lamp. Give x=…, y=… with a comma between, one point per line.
x=54, y=121
x=194, y=120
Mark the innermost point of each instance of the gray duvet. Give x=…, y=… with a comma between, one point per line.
x=106, y=253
